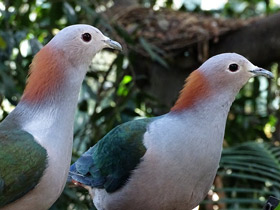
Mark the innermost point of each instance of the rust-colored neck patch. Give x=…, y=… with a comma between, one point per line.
x=46, y=75
x=196, y=88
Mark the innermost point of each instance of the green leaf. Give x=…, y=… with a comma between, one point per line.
x=123, y=89
x=3, y=44
x=250, y=173
x=150, y=50
x=70, y=13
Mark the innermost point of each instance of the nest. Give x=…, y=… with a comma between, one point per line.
x=174, y=31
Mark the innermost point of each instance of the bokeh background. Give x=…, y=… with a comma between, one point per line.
x=163, y=41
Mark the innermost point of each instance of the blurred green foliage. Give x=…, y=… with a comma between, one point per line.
x=253, y=170
x=109, y=95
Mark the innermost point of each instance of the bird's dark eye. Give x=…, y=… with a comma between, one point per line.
x=86, y=37
x=233, y=67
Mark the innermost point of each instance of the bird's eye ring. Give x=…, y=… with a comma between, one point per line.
x=86, y=37
x=233, y=67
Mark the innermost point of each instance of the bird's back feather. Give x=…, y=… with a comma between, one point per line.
x=110, y=162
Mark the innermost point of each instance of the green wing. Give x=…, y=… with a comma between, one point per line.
x=110, y=162
x=22, y=164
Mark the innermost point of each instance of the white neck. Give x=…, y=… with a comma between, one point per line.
x=51, y=120
x=217, y=105
x=209, y=116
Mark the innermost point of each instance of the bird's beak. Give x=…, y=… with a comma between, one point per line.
x=262, y=72
x=112, y=44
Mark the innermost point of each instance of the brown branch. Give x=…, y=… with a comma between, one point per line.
x=259, y=41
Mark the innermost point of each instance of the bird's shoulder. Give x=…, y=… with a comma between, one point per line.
x=128, y=135
x=110, y=162
x=22, y=164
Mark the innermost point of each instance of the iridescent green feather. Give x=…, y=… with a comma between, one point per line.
x=111, y=161
x=22, y=164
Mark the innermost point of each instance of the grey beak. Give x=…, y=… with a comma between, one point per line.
x=113, y=44
x=262, y=72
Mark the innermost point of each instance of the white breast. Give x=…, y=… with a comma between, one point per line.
x=178, y=168
x=52, y=127
x=50, y=187
x=55, y=134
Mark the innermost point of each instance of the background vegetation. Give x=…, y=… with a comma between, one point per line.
x=112, y=92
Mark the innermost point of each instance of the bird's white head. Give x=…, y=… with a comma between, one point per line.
x=81, y=42
x=65, y=58
x=225, y=73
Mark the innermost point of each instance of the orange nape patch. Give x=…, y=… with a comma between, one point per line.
x=195, y=89
x=45, y=75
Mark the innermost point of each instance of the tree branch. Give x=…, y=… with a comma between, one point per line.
x=259, y=42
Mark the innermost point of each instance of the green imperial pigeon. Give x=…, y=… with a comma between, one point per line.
x=168, y=162
x=36, y=137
